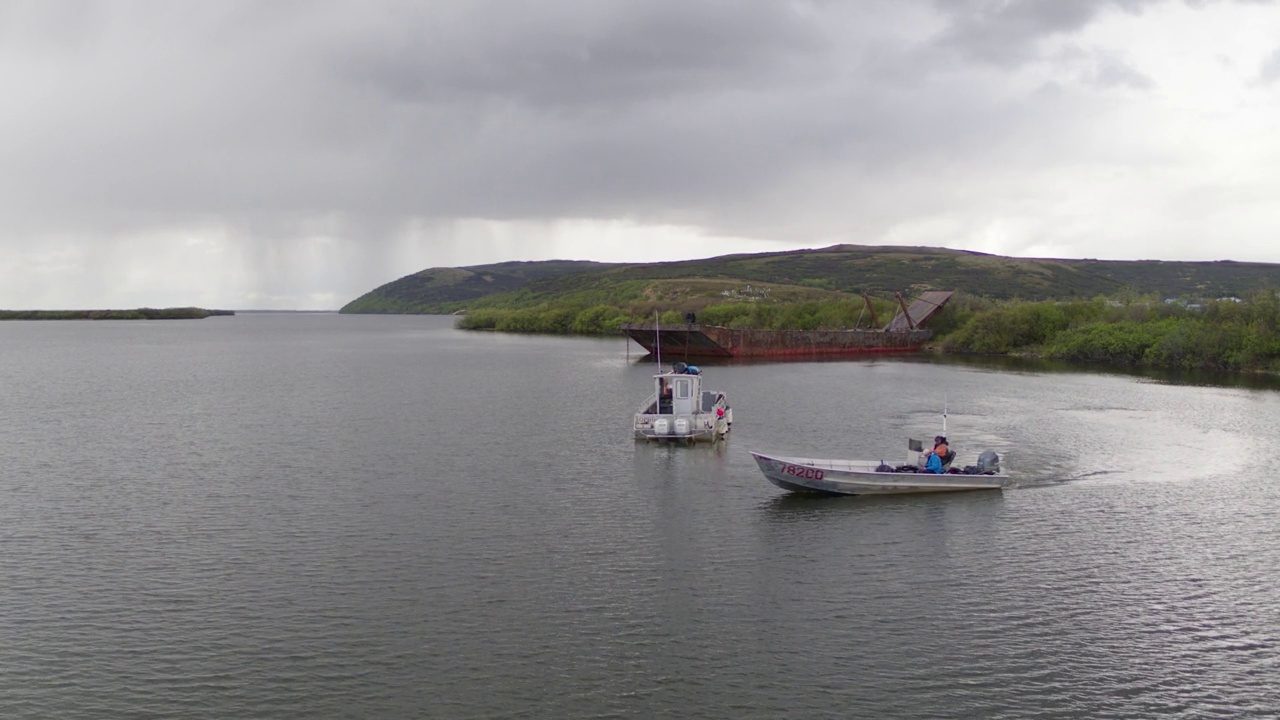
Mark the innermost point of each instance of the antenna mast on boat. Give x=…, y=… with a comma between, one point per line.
x=657, y=341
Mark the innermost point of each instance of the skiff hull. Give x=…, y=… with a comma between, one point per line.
x=855, y=477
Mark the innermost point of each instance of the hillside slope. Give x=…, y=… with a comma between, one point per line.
x=437, y=290
x=843, y=268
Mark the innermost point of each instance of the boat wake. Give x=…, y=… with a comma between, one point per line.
x=1050, y=481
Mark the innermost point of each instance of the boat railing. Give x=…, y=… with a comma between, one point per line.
x=649, y=405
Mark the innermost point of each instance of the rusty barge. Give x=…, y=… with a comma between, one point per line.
x=902, y=335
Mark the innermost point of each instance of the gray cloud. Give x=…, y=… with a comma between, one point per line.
x=272, y=123
x=1269, y=72
x=582, y=54
x=1006, y=32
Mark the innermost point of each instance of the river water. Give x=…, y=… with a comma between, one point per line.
x=324, y=516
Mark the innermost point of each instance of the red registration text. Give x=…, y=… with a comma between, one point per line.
x=807, y=473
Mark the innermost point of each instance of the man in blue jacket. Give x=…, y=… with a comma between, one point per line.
x=933, y=462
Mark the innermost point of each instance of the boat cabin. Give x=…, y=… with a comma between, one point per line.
x=680, y=393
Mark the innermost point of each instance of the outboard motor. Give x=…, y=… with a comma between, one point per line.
x=988, y=462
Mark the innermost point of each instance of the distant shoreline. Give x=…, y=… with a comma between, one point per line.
x=185, y=313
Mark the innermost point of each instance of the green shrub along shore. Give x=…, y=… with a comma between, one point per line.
x=186, y=313
x=603, y=319
x=1229, y=334
x=1142, y=331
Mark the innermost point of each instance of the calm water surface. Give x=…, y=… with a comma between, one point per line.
x=320, y=516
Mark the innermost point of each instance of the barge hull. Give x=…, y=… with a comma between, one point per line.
x=712, y=341
x=903, y=334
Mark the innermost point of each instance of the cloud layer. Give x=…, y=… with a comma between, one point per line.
x=295, y=154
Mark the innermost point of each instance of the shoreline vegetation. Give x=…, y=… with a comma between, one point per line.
x=183, y=313
x=1225, y=334
x=1219, y=315
x=1141, y=331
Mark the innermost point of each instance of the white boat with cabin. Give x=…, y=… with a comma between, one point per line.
x=681, y=410
x=863, y=477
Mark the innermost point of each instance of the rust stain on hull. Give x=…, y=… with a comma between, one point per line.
x=712, y=341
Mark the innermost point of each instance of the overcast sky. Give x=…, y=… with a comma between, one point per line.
x=293, y=154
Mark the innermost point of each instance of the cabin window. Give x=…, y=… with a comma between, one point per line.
x=682, y=388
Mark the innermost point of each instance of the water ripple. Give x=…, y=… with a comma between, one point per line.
x=381, y=517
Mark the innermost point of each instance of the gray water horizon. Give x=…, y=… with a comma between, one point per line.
x=311, y=515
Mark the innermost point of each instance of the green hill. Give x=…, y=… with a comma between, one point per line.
x=444, y=290
x=838, y=269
